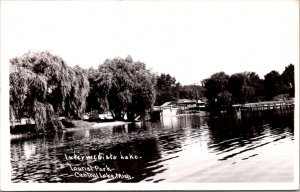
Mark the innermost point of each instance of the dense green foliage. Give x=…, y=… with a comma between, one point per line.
x=123, y=87
x=167, y=89
x=42, y=87
x=245, y=87
x=216, y=84
x=223, y=90
x=192, y=92
x=288, y=78
x=273, y=84
x=217, y=90
x=94, y=99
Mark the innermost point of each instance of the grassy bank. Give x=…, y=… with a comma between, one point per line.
x=79, y=124
x=27, y=130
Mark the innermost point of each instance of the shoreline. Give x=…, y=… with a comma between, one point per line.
x=95, y=125
x=78, y=125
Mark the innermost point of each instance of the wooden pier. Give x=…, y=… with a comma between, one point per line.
x=266, y=105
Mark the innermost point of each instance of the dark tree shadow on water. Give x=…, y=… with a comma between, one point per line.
x=228, y=129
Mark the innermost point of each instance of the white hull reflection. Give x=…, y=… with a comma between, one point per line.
x=170, y=112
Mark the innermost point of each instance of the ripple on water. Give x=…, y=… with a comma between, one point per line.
x=185, y=148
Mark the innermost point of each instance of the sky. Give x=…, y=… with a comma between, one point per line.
x=190, y=40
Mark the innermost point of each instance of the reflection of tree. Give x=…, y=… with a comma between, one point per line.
x=226, y=129
x=171, y=143
x=280, y=121
x=119, y=129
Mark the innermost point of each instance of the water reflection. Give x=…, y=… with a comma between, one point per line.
x=188, y=148
x=29, y=149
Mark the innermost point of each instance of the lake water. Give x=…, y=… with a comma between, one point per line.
x=186, y=148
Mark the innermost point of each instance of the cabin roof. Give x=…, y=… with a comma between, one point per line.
x=181, y=101
x=166, y=104
x=188, y=101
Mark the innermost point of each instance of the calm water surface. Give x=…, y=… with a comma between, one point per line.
x=186, y=148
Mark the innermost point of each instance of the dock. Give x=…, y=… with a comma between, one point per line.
x=265, y=105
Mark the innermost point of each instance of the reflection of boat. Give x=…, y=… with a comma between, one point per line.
x=170, y=111
x=29, y=149
x=165, y=110
x=196, y=112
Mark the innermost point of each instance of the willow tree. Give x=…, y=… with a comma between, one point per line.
x=125, y=87
x=143, y=90
x=42, y=87
x=75, y=104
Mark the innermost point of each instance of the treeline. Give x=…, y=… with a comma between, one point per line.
x=168, y=89
x=43, y=88
x=223, y=90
